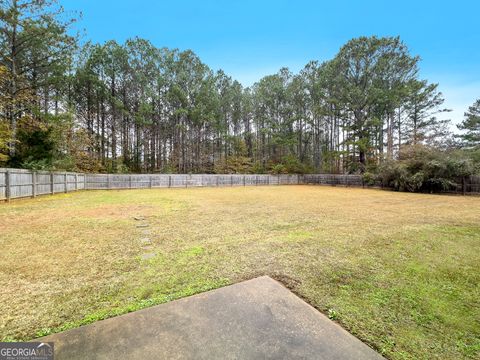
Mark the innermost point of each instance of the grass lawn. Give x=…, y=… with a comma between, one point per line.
x=400, y=271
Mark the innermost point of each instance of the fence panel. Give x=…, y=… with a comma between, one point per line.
x=44, y=185
x=81, y=179
x=178, y=181
x=140, y=181
x=21, y=183
x=333, y=179
x=286, y=179
x=209, y=180
x=160, y=180
x=473, y=184
x=3, y=186
x=97, y=181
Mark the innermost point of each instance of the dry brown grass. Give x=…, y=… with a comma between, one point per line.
x=399, y=270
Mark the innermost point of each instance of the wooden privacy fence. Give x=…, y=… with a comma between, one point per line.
x=126, y=181
x=333, y=179
x=469, y=184
x=18, y=183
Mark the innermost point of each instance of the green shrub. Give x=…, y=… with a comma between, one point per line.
x=369, y=178
x=279, y=169
x=423, y=169
x=289, y=164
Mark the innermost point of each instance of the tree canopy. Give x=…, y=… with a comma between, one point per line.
x=134, y=107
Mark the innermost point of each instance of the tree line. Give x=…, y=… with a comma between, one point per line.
x=134, y=107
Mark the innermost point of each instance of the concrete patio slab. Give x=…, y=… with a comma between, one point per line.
x=255, y=319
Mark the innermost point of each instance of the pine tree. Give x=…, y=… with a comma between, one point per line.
x=471, y=124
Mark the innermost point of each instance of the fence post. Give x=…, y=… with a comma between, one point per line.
x=130, y=181
x=34, y=183
x=84, y=181
x=7, y=186
x=52, y=183
x=76, y=182
x=109, y=182
x=169, y=181
x=243, y=180
x=216, y=179
x=231, y=180
x=150, y=181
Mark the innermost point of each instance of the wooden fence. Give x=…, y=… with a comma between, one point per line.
x=466, y=185
x=469, y=184
x=126, y=181
x=18, y=183
x=333, y=179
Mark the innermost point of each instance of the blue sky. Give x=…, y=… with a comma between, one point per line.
x=250, y=39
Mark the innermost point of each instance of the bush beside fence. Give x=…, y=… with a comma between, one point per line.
x=18, y=183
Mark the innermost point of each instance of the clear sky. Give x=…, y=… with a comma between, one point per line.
x=250, y=39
